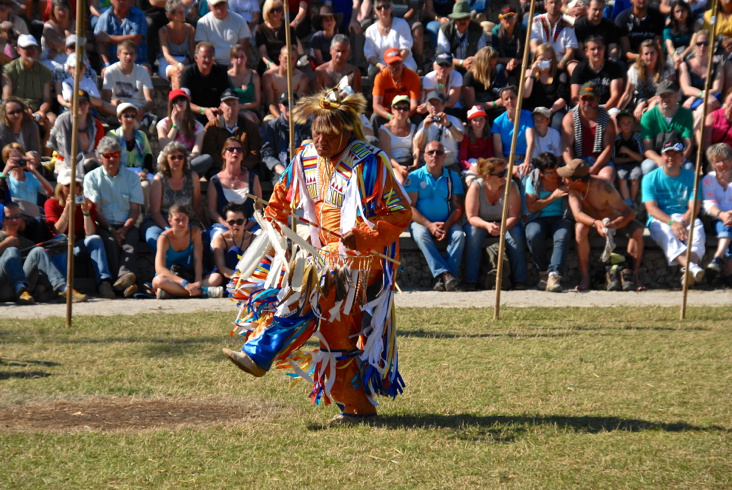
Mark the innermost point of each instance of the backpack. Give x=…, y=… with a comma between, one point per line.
x=489, y=269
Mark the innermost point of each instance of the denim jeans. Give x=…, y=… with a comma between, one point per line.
x=537, y=230
x=433, y=29
x=152, y=233
x=427, y=244
x=12, y=277
x=515, y=247
x=39, y=261
x=723, y=231
x=91, y=248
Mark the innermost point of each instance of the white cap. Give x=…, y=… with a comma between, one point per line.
x=26, y=41
x=71, y=40
x=215, y=2
x=71, y=61
x=124, y=106
x=64, y=177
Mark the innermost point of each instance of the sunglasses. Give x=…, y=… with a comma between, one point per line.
x=382, y=7
x=111, y=155
x=588, y=99
x=235, y=149
x=403, y=108
x=177, y=157
x=236, y=222
x=435, y=152
x=15, y=113
x=129, y=116
x=445, y=64
x=178, y=100
x=15, y=216
x=703, y=43
x=500, y=174
x=276, y=10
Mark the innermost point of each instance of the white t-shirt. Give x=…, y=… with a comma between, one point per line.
x=454, y=80
x=128, y=88
x=668, y=74
x=443, y=135
x=561, y=36
x=84, y=84
x=551, y=143
x=223, y=34
x=399, y=36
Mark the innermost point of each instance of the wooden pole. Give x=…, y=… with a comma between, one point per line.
x=288, y=41
x=511, y=158
x=699, y=156
x=80, y=44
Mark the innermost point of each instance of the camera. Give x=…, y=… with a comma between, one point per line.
x=545, y=64
x=37, y=117
x=436, y=119
x=79, y=199
x=21, y=161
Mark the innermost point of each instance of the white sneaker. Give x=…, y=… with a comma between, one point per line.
x=690, y=281
x=696, y=271
x=213, y=292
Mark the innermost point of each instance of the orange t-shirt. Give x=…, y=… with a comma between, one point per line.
x=409, y=85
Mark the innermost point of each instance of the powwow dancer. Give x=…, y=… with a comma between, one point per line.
x=341, y=292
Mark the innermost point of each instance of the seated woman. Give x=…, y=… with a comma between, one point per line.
x=175, y=183
x=182, y=126
x=387, y=32
x=546, y=198
x=91, y=132
x=484, y=208
x=717, y=192
x=176, y=43
x=17, y=125
x=477, y=144
x=270, y=35
x=325, y=24
x=649, y=69
x=25, y=183
x=547, y=86
x=59, y=26
x=87, y=244
x=678, y=33
x=693, y=77
x=247, y=84
x=179, y=260
x=229, y=246
x=446, y=80
x=232, y=184
x=484, y=81
x=396, y=137
x=719, y=124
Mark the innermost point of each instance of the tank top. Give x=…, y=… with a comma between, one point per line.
x=696, y=81
x=177, y=49
x=488, y=211
x=401, y=146
x=182, y=257
x=222, y=201
x=235, y=252
x=588, y=140
x=247, y=95
x=183, y=196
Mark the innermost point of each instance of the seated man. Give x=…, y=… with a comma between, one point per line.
x=462, y=37
x=588, y=133
x=205, y=81
x=636, y=24
x=19, y=278
x=274, y=81
x=552, y=28
x=606, y=74
x=437, y=196
x=594, y=24
x=668, y=194
x=124, y=81
x=659, y=122
x=231, y=123
x=276, y=141
x=117, y=196
x=438, y=126
x=223, y=29
x=330, y=73
x=591, y=200
x=122, y=23
x=395, y=79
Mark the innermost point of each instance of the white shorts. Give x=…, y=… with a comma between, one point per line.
x=671, y=246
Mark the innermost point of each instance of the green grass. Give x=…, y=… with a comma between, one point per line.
x=587, y=398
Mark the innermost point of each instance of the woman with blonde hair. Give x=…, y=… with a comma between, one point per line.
x=546, y=85
x=484, y=209
x=483, y=82
x=649, y=69
x=270, y=35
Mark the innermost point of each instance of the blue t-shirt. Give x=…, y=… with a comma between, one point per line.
x=432, y=194
x=672, y=194
x=26, y=190
x=505, y=128
x=134, y=23
x=554, y=208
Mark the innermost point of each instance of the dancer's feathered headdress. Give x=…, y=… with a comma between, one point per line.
x=333, y=110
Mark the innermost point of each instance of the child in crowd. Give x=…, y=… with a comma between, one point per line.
x=628, y=156
x=546, y=139
x=229, y=247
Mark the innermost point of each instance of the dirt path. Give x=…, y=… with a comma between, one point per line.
x=482, y=299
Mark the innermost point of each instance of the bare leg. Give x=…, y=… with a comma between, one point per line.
x=214, y=279
x=722, y=246
x=608, y=173
x=169, y=286
x=635, y=250
x=634, y=188
x=583, y=255
x=623, y=187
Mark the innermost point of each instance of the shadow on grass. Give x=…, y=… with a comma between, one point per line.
x=23, y=375
x=26, y=362
x=433, y=334
x=507, y=428
x=129, y=340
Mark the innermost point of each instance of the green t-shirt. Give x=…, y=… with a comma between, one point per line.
x=654, y=125
x=28, y=84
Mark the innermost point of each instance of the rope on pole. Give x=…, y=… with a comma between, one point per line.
x=511, y=158
x=80, y=44
x=699, y=157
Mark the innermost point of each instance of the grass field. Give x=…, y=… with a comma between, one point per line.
x=586, y=398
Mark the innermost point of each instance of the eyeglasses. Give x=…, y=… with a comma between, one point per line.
x=129, y=116
x=382, y=7
x=276, y=10
x=15, y=113
x=403, y=108
x=176, y=157
x=549, y=172
x=236, y=222
x=588, y=99
x=178, y=100
x=435, y=152
x=703, y=43
x=500, y=174
x=235, y=149
x=15, y=216
x=111, y=155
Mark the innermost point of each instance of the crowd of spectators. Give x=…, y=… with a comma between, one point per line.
x=611, y=118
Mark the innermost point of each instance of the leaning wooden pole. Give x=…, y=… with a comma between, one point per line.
x=80, y=43
x=291, y=122
x=511, y=158
x=699, y=156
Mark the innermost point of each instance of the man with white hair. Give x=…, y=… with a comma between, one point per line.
x=223, y=29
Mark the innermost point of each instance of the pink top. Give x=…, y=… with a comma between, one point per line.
x=721, y=128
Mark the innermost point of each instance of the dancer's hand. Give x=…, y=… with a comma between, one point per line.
x=349, y=240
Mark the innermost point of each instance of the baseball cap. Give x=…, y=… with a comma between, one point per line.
x=436, y=95
x=26, y=41
x=666, y=87
x=83, y=95
x=179, y=92
x=444, y=59
x=589, y=89
x=543, y=111
x=71, y=40
x=393, y=54
x=507, y=11
x=124, y=106
x=399, y=98
x=672, y=142
x=575, y=168
x=64, y=177
x=476, y=111
x=215, y=2
x=71, y=60
x=229, y=94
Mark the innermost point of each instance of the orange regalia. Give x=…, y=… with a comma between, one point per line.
x=343, y=298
